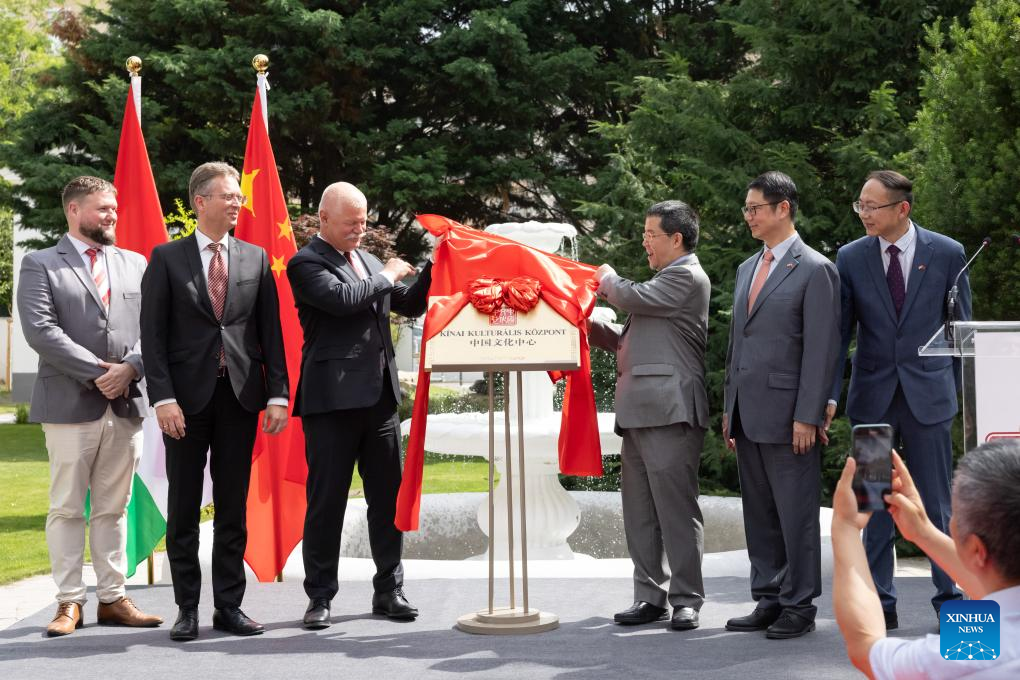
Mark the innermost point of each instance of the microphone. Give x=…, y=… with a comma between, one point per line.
x=955, y=291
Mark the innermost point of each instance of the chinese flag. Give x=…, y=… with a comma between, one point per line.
x=276, y=495
x=140, y=225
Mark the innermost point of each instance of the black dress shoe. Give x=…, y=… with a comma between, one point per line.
x=789, y=625
x=394, y=605
x=640, y=612
x=317, y=614
x=759, y=619
x=186, y=626
x=892, y=622
x=233, y=620
x=684, y=618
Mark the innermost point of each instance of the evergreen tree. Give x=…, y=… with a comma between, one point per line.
x=478, y=109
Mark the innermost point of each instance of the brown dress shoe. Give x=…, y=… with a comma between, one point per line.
x=68, y=618
x=123, y=612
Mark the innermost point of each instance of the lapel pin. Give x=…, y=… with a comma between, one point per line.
x=789, y=265
x=920, y=267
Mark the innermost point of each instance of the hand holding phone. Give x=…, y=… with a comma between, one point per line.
x=872, y=449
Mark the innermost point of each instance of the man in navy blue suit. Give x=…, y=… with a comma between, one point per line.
x=894, y=285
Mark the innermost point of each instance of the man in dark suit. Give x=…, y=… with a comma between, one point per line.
x=347, y=397
x=895, y=281
x=783, y=338
x=214, y=357
x=662, y=414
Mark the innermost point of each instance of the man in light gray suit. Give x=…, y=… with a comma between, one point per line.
x=661, y=413
x=784, y=336
x=79, y=306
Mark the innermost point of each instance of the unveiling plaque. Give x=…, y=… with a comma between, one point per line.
x=506, y=340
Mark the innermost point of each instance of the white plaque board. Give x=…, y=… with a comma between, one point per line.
x=507, y=340
x=996, y=376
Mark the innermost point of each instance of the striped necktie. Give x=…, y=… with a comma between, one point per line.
x=217, y=281
x=98, y=267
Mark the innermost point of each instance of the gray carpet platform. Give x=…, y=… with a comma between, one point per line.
x=359, y=645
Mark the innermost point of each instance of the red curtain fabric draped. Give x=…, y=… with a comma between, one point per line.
x=463, y=255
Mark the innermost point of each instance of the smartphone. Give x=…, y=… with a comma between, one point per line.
x=872, y=449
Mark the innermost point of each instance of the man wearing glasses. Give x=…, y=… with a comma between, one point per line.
x=895, y=281
x=662, y=414
x=214, y=358
x=784, y=332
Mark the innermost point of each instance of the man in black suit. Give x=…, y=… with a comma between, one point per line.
x=347, y=397
x=213, y=353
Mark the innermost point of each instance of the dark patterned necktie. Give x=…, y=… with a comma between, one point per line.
x=894, y=277
x=217, y=281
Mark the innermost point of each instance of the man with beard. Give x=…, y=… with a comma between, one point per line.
x=213, y=352
x=79, y=307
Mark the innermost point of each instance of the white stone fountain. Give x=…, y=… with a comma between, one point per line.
x=552, y=514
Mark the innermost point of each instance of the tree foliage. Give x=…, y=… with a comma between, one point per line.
x=968, y=146
x=824, y=92
x=478, y=109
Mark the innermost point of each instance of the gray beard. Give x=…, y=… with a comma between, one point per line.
x=96, y=233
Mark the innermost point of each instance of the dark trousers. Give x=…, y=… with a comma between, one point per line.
x=781, y=494
x=227, y=432
x=928, y=453
x=334, y=442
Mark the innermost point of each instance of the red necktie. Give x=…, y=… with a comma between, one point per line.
x=759, y=279
x=217, y=281
x=355, y=262
x=894, y=277
x=97, y=265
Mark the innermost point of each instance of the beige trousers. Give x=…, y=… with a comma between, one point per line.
x=101, y=455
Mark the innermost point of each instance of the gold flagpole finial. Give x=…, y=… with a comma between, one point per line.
x=260, y=63
x=133, y=65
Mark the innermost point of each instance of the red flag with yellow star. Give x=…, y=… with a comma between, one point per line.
x=276, y=494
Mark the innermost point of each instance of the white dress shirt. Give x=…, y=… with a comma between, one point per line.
x=778, y=253
x=207, y=255
x=906, y=255
x=896, y=658
x=81, y=247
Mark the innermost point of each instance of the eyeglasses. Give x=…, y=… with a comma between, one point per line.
x=648, y=235
x=240, y=199
x=752, y=210
x=865, y=209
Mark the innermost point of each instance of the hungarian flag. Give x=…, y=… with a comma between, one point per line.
x=276, y=495
x=140, y=228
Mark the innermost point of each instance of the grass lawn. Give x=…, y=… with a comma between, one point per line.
x=24, y=500
x=24, y=497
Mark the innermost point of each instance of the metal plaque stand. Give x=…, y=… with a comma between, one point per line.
x=512, y=620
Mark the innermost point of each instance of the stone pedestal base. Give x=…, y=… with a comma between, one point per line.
x=507, y=621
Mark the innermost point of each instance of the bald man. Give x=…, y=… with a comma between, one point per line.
x=347, y=397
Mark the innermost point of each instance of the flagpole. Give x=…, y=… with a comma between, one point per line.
x=260, y=63
x=133, y=64
x=134, y=67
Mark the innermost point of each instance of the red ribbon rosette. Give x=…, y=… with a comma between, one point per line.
x=522, y=293
x=488, y=295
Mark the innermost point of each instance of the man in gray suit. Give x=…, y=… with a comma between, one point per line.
x=79, y=305
x=784, y=335
x=661, y=413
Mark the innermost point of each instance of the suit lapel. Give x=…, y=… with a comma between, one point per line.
x=783, y=269
x=924, y=249
x=873, y=256
x=77, y=264
x=198, y=275
x=333, y=256
x=743, y=288
x=235, y=266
